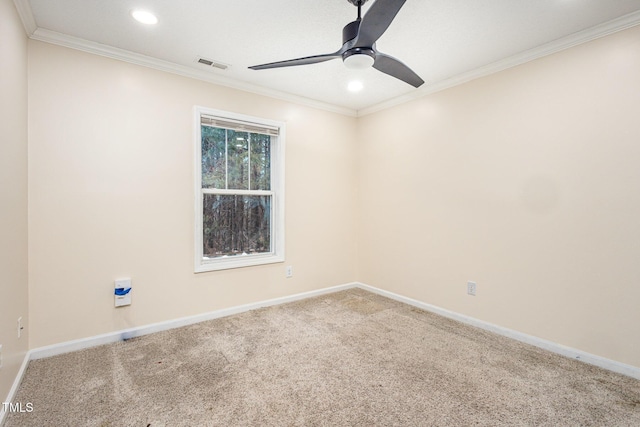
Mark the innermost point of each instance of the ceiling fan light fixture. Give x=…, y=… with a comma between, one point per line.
x=359, y=59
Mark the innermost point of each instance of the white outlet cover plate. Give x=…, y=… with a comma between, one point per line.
x=471, y=288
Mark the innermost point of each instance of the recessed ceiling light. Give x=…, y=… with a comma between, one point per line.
x=144, y=17
x=355, y=86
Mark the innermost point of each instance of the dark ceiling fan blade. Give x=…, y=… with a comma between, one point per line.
x=391, y=66
x=298, y=61
x=376, y=21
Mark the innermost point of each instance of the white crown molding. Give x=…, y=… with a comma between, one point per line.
x=26, y=15
x=602, y=30
x=60, y=39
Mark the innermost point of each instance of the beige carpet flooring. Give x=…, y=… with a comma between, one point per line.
x=350, y=358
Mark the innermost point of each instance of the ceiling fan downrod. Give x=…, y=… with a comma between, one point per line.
x=359, y=4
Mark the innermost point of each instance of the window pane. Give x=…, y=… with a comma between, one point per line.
x=213, y=157
x=236, y=225
x=260, y=162
x=238, y=161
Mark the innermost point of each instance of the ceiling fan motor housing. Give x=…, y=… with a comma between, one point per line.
x=350, y=31
x=356, y=57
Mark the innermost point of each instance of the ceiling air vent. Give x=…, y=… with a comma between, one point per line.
x=210, y=63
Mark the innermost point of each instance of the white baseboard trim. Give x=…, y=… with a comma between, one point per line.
x=94, y=341
x=14, y=387
x=611, y=365
x=111, y=337
x=80, y=344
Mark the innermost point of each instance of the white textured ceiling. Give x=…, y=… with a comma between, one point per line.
x=444, y=41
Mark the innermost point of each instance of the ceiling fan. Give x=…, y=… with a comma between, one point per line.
x=359, y=44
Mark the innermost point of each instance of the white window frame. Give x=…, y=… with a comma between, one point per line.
x=276, y=254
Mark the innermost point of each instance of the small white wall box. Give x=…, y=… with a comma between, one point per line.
x=123, y=292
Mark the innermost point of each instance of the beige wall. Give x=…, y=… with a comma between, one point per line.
x=527, y=182
x=111, y=196
x=13, y=192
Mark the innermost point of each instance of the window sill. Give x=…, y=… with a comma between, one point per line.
x=216, y=264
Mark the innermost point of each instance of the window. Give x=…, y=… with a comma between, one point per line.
x=239, y=179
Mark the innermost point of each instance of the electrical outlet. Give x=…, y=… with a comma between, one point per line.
x=289, y=271
x=20, y=327
x=471, y=288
